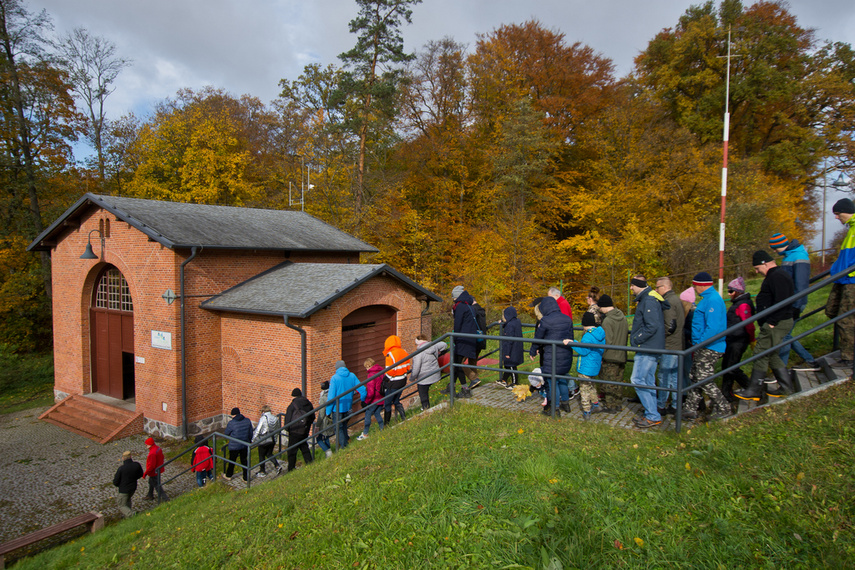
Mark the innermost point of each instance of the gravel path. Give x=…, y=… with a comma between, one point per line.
x=48, y=474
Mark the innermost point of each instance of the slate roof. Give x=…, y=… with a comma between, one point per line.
x=179, y=225
x=300, y=289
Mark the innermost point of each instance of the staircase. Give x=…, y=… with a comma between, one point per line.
x=93, y=419
x=808, y=379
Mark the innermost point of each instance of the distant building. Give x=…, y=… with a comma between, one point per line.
x=272, y=299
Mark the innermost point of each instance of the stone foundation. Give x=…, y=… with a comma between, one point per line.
x=168, y=431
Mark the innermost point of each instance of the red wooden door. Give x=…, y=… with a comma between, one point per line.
x=363, y=333
x=112, y=336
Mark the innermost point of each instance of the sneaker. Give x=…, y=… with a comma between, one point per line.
x=545, y=402
x=669, y=411
x=465, y=392
x=721, y=414
x=574, y=392
x=226, y=477
x=689, y=415
x=614, y=410
x=564, y=407
x=547, y=411
x=261, y=474
x=328, y=452
x=361, y=437
x=595, y=408
x=644, y=423
x=278, y=469
x=445, y=391
x=474, y=383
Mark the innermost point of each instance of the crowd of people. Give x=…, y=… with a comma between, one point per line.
x=662, y=321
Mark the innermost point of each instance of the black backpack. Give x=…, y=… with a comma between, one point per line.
x=480, y=316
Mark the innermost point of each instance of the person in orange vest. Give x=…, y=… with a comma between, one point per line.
x=396, y=357
x=153, y=469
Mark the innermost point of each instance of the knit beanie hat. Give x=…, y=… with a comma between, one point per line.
x=296, y=392
x=235, y=411
x=340, y=364
x=778, y=241
x=149, y=441
x=760, y=257
x=688, y=295
x=588, y=320
x=605, y=301
x=534, y=379
x=737, y=284
x=455, y=293
x=702, y=279
x=843, y=206
x=638, y=282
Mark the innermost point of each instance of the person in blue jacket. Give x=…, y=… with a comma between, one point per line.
x=797, y=263
x=588, y=364
x=554, y=325
x=511, y=350
x=841, y=299
x=342, y=381
x=710, y=319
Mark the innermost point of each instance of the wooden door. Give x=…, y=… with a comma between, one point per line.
x=111, y=321
x=363, y=334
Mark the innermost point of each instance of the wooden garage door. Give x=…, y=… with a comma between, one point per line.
x=111, y=321
x=363, y=333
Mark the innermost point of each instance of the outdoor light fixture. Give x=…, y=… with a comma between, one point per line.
x=88, y=253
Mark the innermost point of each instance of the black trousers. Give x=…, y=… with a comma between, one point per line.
x=240, y=455
x=303, y=447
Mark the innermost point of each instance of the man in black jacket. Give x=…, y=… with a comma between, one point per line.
x=298, y=425
x=240, y=428
x=554, y=325
x=777, y=286
x=126, y=480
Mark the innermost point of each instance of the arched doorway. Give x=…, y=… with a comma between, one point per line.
x=363, y=333
x=111, y=320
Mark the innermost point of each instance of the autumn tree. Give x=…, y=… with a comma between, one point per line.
x=790, y=100
x=93, y=67
x=373, y=74
x=196, y=149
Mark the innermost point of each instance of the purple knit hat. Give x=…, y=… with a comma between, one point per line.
x=737, y=284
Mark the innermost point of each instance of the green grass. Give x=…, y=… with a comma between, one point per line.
x=26, y=380
x=482, y=488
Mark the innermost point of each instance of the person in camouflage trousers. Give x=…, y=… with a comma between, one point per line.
x=842, y=296
x=710, y=319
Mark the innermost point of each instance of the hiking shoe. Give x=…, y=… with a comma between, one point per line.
x=361, y=437
x=644, y=423
x=465, y=392
x=445, y=391
x=564, y=407
x=574, y=392
x=721, y=414
x=595, y=408
x=261, y=474
x=690, y=415
x=474, y=383
x=669, y=411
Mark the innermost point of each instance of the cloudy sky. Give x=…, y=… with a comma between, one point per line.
x=247, y=46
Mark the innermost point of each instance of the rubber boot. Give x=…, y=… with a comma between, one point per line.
x=785, y=384
x=756, y=388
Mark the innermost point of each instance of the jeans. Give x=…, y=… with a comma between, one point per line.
x=796, y=346
x=343, y=436
x=323, y=442
x=202, y=475
x=668, y=364
x=372, y=410
x=644, y=374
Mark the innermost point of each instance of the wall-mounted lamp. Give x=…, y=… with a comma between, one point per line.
x=88, y=253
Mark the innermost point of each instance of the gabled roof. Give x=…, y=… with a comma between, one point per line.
x=178, y=225
x=300, y=289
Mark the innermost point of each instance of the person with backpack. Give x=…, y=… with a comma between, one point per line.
x=267, y=424
x=324, y=423
x=511, y=350
x=299, y=418
x=343, y=382
x=203, y=462
x=466, y=312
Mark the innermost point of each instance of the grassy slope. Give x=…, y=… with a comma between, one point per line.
x=26, y=381
x=479, y=488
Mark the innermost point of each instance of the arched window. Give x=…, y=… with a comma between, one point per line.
x=113, y=292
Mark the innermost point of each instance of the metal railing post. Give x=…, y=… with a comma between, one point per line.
x=553, y=389
x=678, y=396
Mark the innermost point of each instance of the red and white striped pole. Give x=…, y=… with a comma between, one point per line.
x=724, y=174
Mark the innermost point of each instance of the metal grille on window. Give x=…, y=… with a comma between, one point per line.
x=113, y=292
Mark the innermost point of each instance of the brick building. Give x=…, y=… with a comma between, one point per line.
x=186, y=310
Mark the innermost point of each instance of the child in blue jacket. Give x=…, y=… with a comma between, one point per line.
x=588, y=363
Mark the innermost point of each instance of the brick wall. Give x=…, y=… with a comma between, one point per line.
x=232, y=360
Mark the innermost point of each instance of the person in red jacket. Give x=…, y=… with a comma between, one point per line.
x=153, y=469
x=563, y=305
x=374, y=403
x=203, y=463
